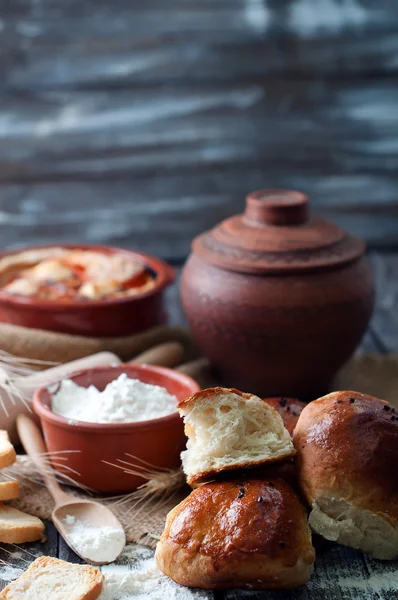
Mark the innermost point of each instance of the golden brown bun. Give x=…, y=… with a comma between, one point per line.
x=289, y=409
x=247, y=533
x=347, y=457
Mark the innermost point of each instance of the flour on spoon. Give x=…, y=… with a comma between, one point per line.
x=96, y=544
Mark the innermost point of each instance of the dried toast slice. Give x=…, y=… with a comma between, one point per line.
x=7, y=452
x=17, y=527
x=9, y=490
x=53, y=579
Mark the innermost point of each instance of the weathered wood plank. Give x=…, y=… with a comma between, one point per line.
x=92, y=43
x=340, y=574
x=339, y=129
x=189, y=159
x=15, y=559
x=161, y=215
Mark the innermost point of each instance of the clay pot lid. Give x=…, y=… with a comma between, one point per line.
x=277, y=233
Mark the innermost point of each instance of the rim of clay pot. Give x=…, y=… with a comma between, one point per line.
x=165, y=275
x=43, y=410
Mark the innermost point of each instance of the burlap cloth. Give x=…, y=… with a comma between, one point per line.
x=60, y=347
x=143, y=522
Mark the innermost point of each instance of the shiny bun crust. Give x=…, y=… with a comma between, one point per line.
x=289, y=409
x=347, y=462
x=247, y=533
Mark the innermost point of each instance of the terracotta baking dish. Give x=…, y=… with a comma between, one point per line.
x=117, y=317
x=157, y=442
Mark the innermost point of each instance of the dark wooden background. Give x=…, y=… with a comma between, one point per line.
x=142, y=123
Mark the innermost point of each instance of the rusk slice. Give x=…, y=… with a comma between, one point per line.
x=53, y=579
x=7, y=452
x=17, y=527
x=9, y=490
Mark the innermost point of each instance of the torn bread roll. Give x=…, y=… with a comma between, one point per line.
x=347, y=456
x=53, y=579
x=249, y=534
x=228, y=429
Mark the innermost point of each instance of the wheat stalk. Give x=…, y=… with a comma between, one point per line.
x=27, y=470
x=12, y=370
x=160, y=486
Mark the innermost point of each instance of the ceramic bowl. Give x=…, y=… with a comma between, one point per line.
x=146, y=444
x=99, y=318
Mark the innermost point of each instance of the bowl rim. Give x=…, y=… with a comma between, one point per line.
x=164, y=271
x=47, y=415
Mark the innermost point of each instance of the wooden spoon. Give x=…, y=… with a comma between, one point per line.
x=92, y=514
x=169, y=354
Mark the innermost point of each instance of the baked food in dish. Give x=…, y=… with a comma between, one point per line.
x=347, y=457
x=228, y=429
x=65, y=274
x=50, y=578
x=288, y=408
x=249, y=534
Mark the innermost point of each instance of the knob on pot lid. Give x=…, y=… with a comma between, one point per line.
x=277, y=233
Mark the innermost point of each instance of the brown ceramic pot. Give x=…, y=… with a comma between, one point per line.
x=277, y=298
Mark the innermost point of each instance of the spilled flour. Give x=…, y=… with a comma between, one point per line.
x=388, y=582
x=144, y=581
x=8, y=573
x=137, y=579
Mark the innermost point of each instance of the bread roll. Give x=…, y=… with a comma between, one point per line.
x=347, y=461
x=249, y=534
x=289, y=409
x=227, y=430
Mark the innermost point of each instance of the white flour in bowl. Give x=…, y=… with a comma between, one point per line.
x=124, y=400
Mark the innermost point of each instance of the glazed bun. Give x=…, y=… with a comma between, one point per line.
x=249, y=534
x=227, y=430
x=347, y=462
x=289, y=409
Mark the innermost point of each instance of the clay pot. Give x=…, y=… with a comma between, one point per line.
x=278, y=299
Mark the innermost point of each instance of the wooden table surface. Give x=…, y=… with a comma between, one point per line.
x=340, y=574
